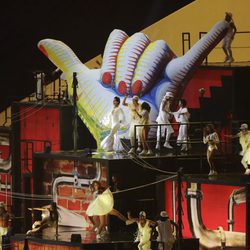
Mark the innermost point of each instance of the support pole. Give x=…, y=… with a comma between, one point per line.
x=75, y=125
x=179, y=209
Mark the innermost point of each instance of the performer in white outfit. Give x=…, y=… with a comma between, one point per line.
x=211, y=138
x=134, y=120
x=101, y=206
x=116, y=120
x=182, y=116
x=244, y=137
x=163, y=118
x=165, y=237
x=226, y=46
x=144, y=230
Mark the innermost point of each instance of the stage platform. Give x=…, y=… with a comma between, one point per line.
x=87, y=240
x=225, y=65
x=232, y=179
x=192, y=161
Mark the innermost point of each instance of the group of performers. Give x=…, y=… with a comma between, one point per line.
x=101, y=206
x=139, y=115
x=211, y=138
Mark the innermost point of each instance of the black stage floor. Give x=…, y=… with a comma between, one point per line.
x=88, y=239
x=114, y=241
x=194, y=153
x=193, y=161
x=231, y=179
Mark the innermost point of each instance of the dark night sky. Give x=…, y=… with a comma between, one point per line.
x=84, y=25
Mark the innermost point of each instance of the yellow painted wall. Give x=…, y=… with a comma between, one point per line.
x=201, y=15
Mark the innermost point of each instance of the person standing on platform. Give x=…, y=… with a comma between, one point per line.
x=143, y=130
x=144, y=230
x=211, y=138
x=134, y=107
x=182, y=116
x=226, y=46
x=165, y=237
x=164, y=118
x=244, y=138
x=116, y=120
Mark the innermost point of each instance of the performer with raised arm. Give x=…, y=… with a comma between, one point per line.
x=244, y=138
x=211, y=138
x=164, y=117
x=116, y=120
x=49, y=218
x=182, y=116
x=228, y=39
x=144, y=230
x=133, y=106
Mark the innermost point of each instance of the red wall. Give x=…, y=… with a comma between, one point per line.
x=38, y=123
x=213, y=205
x=203, y=78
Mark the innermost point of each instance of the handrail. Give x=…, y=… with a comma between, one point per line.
x=225, y=149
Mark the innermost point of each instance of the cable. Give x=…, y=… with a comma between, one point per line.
x=145, y=185
x=140, y=161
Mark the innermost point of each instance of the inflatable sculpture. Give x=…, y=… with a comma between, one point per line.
x=131, y=65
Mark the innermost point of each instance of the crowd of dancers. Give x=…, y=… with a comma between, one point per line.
x=163, y=230
x=140, y=118
x=140, y=115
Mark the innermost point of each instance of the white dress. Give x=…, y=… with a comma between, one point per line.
x=112, y=141
x=145, y=235
x=102, y=204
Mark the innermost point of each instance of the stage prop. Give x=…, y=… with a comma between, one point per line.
x=131, y=65
x=214, y=209
x=67, y=180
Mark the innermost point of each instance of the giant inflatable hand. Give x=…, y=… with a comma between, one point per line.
x=132, y=65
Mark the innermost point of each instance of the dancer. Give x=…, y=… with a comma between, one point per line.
x=143, y=130
x=144, y=228
x=101, y=206
x=226, y=46
x=163, y=118
x=182, y=116
x=49, y=218
x=116, y=120
x=244, y=138
x=134, y=120
x=4, y=221
x=165, y=237
x=211, y=138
